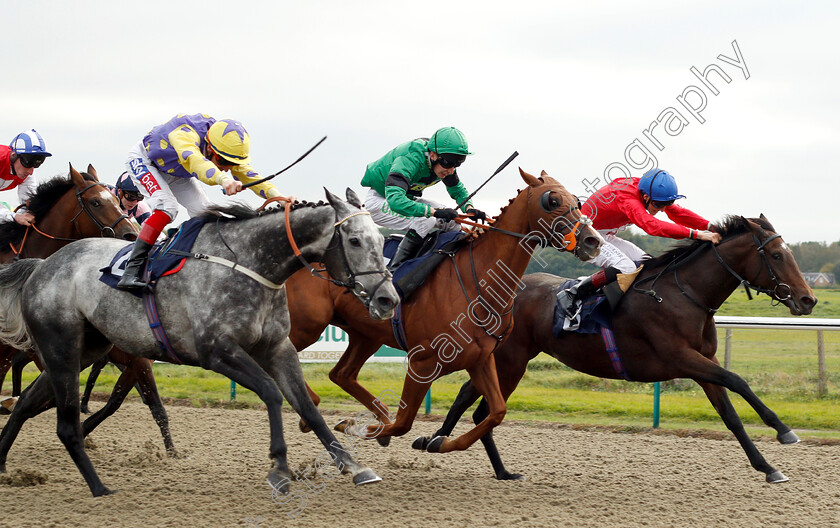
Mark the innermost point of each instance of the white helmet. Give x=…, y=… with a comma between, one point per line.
x=29, y=142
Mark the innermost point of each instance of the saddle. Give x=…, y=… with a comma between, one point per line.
x=411, y=274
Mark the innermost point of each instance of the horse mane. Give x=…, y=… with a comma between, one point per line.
x=241, y=211
x=730, y=227
x=44, y=198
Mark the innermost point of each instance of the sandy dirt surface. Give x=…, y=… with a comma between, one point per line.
x=576, y=478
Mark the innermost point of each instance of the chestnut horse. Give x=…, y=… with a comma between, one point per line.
x=456, y=319
x=57, y=206
x=658, y=341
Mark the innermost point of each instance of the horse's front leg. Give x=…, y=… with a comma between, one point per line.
x=486, y=381
x=285, y=368
x=720, y=400
x=225, y=356
x=95, y=370
x=466, y=397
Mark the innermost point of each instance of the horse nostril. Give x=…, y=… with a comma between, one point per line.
x=130, y=236
x=592, y=242
x=386, y=302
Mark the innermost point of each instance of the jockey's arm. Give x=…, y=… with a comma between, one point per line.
x=247, y=174
x=396, y=187
x=457, y=190
x=187, y=144
x=638, y=215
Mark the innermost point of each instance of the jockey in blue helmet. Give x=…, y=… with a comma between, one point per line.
x=18, y=162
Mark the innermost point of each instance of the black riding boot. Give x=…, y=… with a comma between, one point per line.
x=571, y=299
x=408, y=248
x=132, y=278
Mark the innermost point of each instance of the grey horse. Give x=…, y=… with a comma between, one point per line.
x=231, y=321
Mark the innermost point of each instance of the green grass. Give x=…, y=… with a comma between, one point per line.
x=780, y=365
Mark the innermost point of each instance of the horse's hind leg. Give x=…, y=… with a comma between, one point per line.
x=37, y=397
x=720, y=400
x=95, y=370
x=466, y=397
x=285, y=368
x=6, y=354
x=19, y=360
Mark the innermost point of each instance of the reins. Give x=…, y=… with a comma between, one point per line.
x=82, y=208
x=774, y=294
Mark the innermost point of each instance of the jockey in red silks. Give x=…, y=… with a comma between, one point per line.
x=18, y=162
x=616, y=206
x=167, y=166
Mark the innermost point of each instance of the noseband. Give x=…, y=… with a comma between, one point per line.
x=104, y=230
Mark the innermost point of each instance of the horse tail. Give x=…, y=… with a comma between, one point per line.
x=12, y=278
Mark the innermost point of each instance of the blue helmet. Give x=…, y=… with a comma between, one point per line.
x=29, y=142
x=659, y=185
x=125, y=183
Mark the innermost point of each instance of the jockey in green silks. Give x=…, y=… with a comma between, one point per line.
x=397, y=181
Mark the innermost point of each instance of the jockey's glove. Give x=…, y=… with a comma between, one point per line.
x=446, y=214
x=479, y=216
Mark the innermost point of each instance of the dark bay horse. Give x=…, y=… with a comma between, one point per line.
x=459, y=315
x=658, y=341
x=230, y=318
x=65, y=210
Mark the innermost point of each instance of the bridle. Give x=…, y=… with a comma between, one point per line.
x=337, y=241
x=781, y=291
x=569, y=243
x=103, y=229
x=569, y=240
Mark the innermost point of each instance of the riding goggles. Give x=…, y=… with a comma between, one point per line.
x=133, y=196
x=31, y=161
x=450, y=161
x=661, y=205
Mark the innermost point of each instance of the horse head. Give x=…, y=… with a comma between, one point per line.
x=354, y=256
x=769, y=267
x=102, y=213
x=554, y=213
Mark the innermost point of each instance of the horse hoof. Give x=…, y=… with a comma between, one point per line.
x=384, y=441
x=343, y=425
x=510, y=476
x=776, y=477
x=420, y=443
x=104, y=491
x=8, y=405
x=278, y=484
x=435, y=444
x=366, y=476
x=303, y=427
x=788, y=438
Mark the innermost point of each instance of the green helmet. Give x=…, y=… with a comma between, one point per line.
x=449, y=140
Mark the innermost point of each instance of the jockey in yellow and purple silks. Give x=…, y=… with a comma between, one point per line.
x=167, y=166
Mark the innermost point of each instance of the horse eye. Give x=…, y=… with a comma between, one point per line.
x=355, y=242
x=95, y=203
x=777, y=256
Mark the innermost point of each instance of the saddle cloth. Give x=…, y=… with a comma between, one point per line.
x=410, y=274
x=160, y=260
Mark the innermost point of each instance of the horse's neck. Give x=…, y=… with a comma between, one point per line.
x=499, y=257
x=261, y=243
x=710, y=282
x=57, y=223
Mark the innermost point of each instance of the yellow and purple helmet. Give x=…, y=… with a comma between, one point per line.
x=230, y=140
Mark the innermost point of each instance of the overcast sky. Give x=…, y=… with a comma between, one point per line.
x=568, y=85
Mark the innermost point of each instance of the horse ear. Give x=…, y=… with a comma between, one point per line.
x=337, y=203
x=543, y=174
x=92, y=171
x=78, y=179
x=762, y=216
x=529, y=179
x=353, y=198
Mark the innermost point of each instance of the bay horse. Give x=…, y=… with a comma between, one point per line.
x=57, y=206
x=658, y=341
x=230, y=318
x=456, y=319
